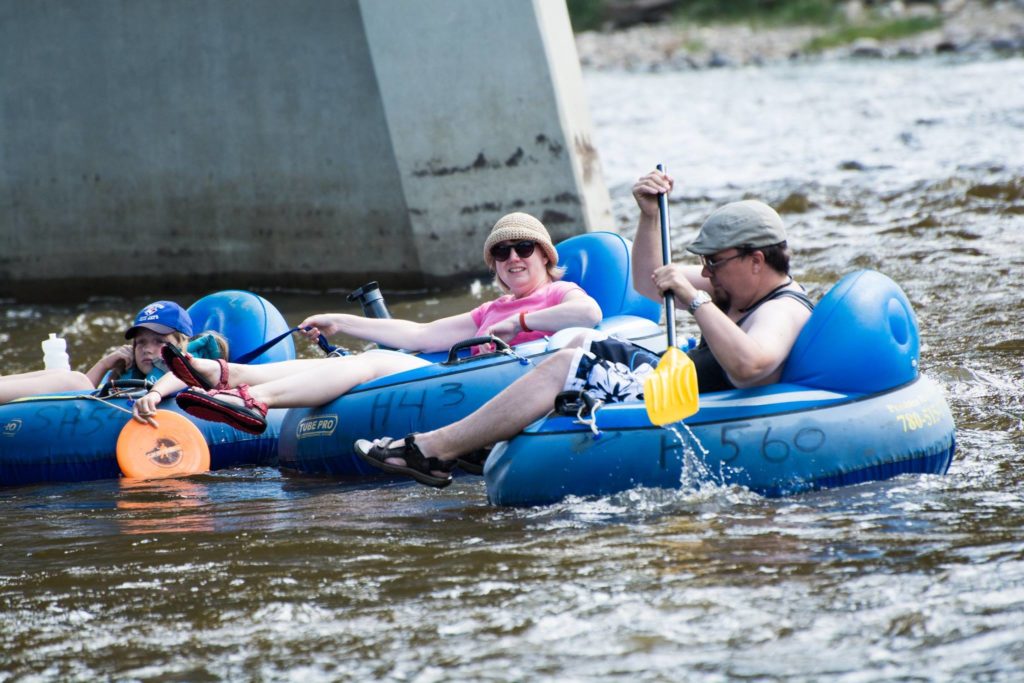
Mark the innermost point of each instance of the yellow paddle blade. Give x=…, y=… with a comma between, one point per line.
x=175, y=448
x=670, y=392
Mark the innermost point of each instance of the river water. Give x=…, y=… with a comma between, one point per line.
x=913, y=168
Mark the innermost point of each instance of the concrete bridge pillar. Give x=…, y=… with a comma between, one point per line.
x=201, y=145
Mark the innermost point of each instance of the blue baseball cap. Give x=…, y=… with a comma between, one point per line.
x=163, y=317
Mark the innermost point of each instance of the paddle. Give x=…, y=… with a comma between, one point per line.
x=670, y=392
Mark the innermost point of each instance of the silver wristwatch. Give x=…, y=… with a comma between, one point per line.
x=699, y=300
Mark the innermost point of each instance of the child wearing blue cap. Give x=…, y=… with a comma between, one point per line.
x=159, y=323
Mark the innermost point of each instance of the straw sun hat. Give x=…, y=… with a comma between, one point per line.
x=514, y=227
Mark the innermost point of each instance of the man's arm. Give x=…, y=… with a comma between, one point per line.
x=753, y=356
x=647, y=241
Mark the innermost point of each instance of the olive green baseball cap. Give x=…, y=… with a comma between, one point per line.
x=748, y=223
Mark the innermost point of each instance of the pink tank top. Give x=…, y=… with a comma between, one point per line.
x=492, y=312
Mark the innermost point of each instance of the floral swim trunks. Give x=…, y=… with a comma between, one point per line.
x=611, y=369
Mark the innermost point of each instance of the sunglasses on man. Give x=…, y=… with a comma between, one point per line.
x=524, y=249
x=715, y=265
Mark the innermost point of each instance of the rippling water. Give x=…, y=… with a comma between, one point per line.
x=912, y=168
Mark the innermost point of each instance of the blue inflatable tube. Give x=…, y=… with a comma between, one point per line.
x=73, y=437
x=851, y=407
x=65, y=437
x=318, y=441
x=783, y=440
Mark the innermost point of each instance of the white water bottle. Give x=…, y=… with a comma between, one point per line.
x=55, y=354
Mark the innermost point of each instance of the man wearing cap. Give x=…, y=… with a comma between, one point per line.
x=742, y=297
x=758, y=310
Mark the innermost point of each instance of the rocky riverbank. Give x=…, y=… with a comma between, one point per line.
x=967, y=27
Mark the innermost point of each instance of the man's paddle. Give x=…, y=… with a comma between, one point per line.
x=670, y=392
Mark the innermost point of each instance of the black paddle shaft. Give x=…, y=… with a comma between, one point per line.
x=666, y=258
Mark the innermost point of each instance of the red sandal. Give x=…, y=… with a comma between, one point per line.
x=179, y=363
x=249, y=417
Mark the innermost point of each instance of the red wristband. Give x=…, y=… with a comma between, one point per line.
x=522, y=322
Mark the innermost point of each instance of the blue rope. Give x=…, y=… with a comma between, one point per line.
x=321, y=342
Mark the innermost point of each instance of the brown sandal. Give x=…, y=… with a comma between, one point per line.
x=417, y=465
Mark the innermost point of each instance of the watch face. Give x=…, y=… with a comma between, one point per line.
x=699, y=299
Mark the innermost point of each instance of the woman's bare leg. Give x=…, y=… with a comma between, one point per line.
x=318, y=381
x=289, y=392
x=328, y=381
x=258, y=374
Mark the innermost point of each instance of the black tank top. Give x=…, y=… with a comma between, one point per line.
x=710, y=375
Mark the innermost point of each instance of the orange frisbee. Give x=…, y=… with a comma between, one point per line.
x=176, y=448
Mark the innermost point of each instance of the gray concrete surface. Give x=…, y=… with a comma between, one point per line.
x=298, y=144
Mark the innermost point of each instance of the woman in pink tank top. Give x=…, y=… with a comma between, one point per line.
x=536, y=302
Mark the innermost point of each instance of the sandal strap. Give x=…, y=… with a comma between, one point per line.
x=440, y=465
x=431, y=463
x=250, y=402
x=222, y=383
x=414, y=457
x=242, y=392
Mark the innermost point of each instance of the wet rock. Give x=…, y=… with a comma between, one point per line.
x=1007, y=45
x=909, y=51
x=1009, y=191
x=866, y=47
x=927, y=221
x=626, y=13
x=683, y=62
x=796, y=202
x=851, y=166
x=717, y=60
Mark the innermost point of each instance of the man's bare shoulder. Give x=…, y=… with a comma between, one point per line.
x=783, y=311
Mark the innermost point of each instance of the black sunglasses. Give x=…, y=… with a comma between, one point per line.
x=715, y=265
x=524, y=249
